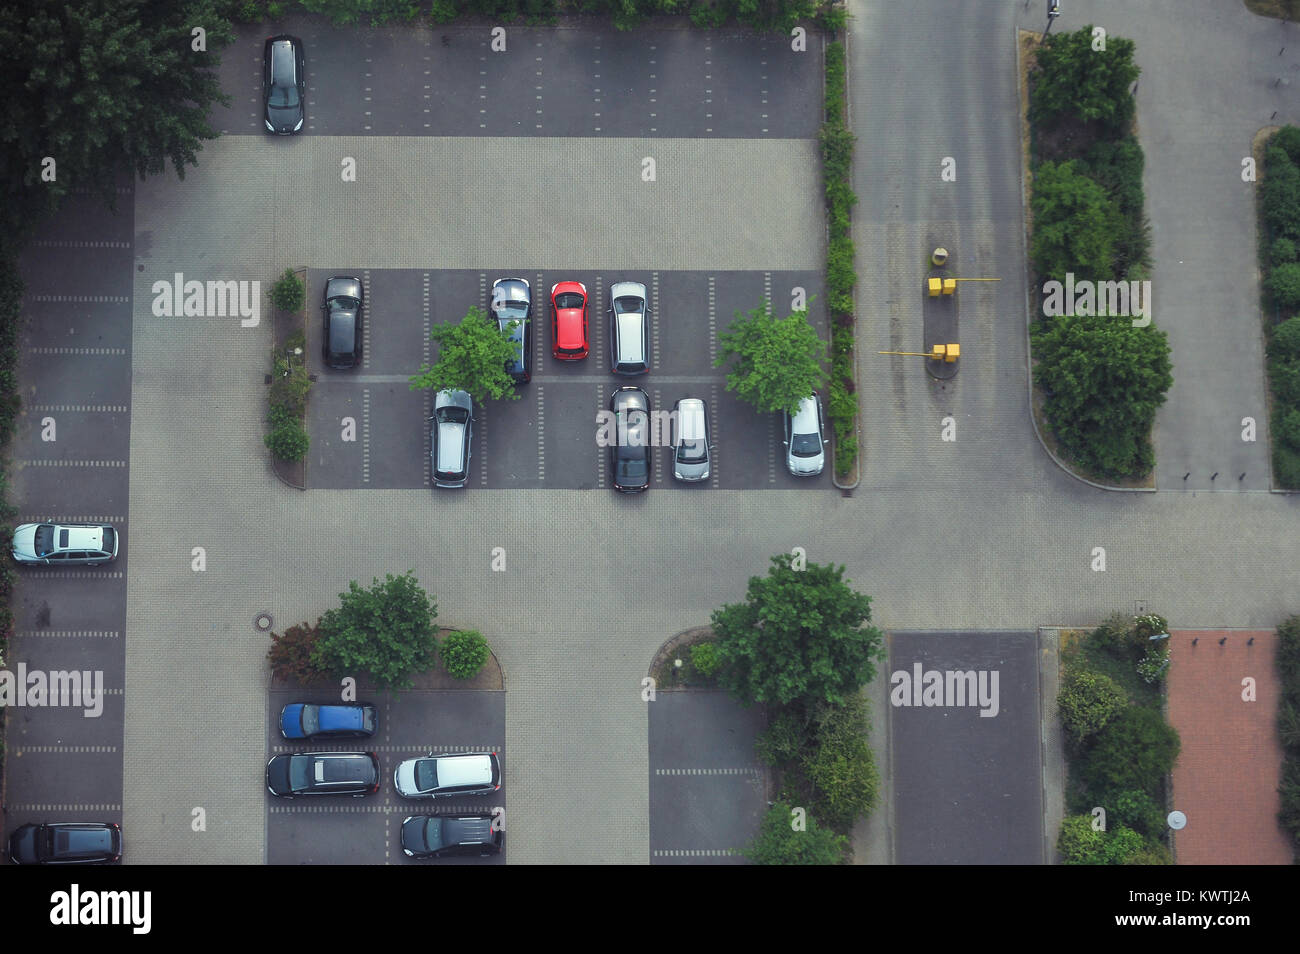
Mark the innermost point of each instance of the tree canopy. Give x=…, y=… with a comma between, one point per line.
x=776, y=362
x=472, y=357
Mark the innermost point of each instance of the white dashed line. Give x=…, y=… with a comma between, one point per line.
x=365, y=435
x=69, y=634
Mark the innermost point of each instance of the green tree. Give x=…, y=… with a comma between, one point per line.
x=288, y=292
x=1073, y=81
x=1104, y=380
x=841, y=766
x=472, y=357
x=105, y=87
x=386, y=631
x=1075, y=224
x=800, y=635
x=777, y=362
x=1282, y=251
x=288, y=441
x=1086, y=702
x=464, y=653
x=1283, y=286
x=1134, y=751
x=778, y=843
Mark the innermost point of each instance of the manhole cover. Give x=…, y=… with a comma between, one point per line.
x=263, y=622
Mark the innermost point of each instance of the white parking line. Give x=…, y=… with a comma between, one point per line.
x=82, y=299
x=708, y=771
x=713, y=434
x=659, y=471
x=366, y=293
x=69, y=634
x=601, y=452
x=64, y=518
x=81, y=352
x=654, y=318
x=80, y=408
x=541, y=434
x=767, y=291
x=696, y=853
x=771, y=448
x=62, y=749
x=480, y=418
x=73, y=574
x=713, y=321
x=71, y=463
x=63, y=807
x=365, y=435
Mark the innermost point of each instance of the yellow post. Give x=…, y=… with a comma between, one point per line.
x=935, y=286
x=949, y=286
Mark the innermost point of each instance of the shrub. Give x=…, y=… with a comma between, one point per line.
x=1286, y=467
x=288, y=293
x=1153, y=666
x=837, y=150
x=1283, y=287
x=778, y=843
x=1287, y=658
x=841, y=766
x=1288, y=140
x=704, y=656
x=1078, y=842
x=835, y=76
x=281, y=416
x=290, y=385
x=1285, y=376
x=1135, y=750
x=787, y=736
x=291, y=654
x=1279, y=194
x=1282, y=251
x=443, y=11
x=840, y=277
x=1286, y=428
x=1137, y=810
x=1087, y=702
x=464, y=653
x=1150, y=854
x=288, y=442
x=1285, y=342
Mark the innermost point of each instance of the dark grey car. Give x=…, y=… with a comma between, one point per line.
x=323, y=773
x=344, y=303
x=283, y=85
x=440, y=836
x=629, y=455
x=451, y=436
x=66, y=843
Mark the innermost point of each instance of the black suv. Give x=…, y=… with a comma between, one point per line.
x=629, y=455
x=283, y=86
x=441, y=836
x=323, y=773
x=66, y=843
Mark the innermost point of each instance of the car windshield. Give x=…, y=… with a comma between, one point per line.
x=345, y=303
x=805, y=445
x=283, y=97
x=44, y=542
x=568, y=300
x=512, y=309
x=632, y=470
x=692, y=452
x=627, y=305
x=299, y=772
x=310, y=720
x=452, y=415
x=426, y=775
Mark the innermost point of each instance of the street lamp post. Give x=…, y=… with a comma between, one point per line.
x=1053, y=11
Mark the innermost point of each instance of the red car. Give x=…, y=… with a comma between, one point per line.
x=569, y=321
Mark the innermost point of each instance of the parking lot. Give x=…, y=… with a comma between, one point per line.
x=707, y=791
x=547, y=438
x=345, y=830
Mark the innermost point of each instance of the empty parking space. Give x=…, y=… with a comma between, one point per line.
x=366, y=830
x=965, y=738
x=707, y=791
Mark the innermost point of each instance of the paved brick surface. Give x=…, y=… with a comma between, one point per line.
x=1227, y=773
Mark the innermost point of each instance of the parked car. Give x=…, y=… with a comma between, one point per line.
x=692, y=452
x=65, y=544
x=443, y=776
x=569, y=340
x=628, y=338
x=66, y=843
x=306, y=720
x=512, y=306
x=284, y=86
x=452, y=434
x=344, y=300
x=629, y=455
x=442, y=836
x=805, y=438
x=323, y=773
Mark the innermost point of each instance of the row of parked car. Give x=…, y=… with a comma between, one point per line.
x=357, y=774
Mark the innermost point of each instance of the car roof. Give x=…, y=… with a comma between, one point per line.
x=805, y=419
x=690, y=418
x=342, y=285
x=79, y=538
x=464, y=770
x=629, y=398
x=630, y=327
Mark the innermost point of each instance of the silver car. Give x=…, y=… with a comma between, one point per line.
x=805, y=438
x=452, y=433
x=66, y=544
x=628, y=347
x=691, y=447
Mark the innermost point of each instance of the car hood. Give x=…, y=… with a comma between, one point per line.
x=25, y=540
x=404, y=778
x=291, y=721
x=691, y=471
x=413, y=832
x=22, y=845
x=806, y=465
x=277, y=775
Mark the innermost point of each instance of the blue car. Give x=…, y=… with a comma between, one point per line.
x=305, y=720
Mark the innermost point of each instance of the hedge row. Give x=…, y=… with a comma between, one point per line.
x=1118, y=746
x=837, y=167
x=1279, y=209
x=11, y=299
x=1287, y=661
x=777, y=15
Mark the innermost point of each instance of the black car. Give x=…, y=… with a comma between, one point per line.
x=441, y=836
x=344, y=301
x=323, y=773
x=66, y=843
x=512, y=307
x=629, y=455
x=283, y=85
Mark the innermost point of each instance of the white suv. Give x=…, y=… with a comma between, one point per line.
x=65, y=544
x=805, y=438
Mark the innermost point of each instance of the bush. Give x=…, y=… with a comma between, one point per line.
x=840, y=277
x=704, y=656
x=1075, y=224
x=1087, y=702
x=837, y=150
x=288, y=293
x=1078, y=842
x=1282, y=251
x=1279, y=194
x=464, y=653
x=835, y=78
x=1288, y=140
x=1285, y=376
x=288, y=442
x=787, y=737
x=1135, y=750
x=778, y=843
x=841, y=767
x=1286, y=428
x=290, y=385
x=291, y=655
x=1139, y=811
x=1283, y=287
x=1150, y=854
x=1287, y=657
x=1284, y=345
x=1286, y=467
x=1153, y=666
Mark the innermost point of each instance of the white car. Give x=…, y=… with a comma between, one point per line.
x=65, y=544
x=442, y=776
x=805, y=438
x=691, y=457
